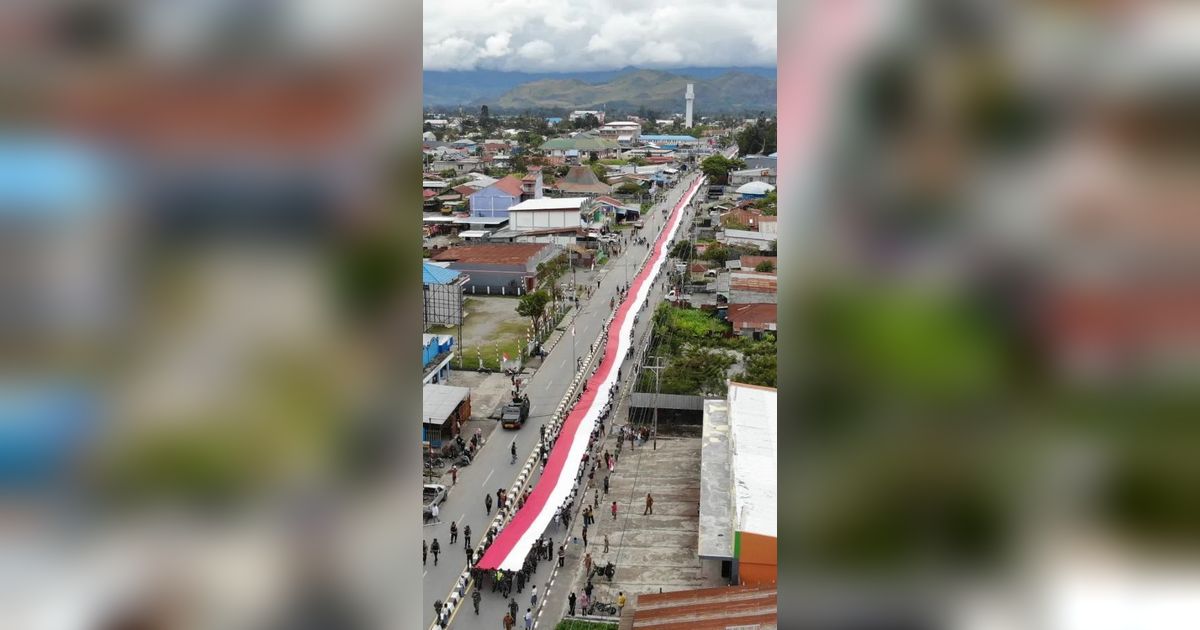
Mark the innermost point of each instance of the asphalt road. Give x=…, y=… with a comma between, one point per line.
x=492, y=468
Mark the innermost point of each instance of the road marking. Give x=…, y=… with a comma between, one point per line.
x=485, y=479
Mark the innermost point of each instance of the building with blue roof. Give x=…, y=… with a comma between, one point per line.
x=667, y=141
x=441, y=295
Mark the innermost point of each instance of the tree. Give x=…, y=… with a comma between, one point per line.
x=760, y=365
x=629, y=188
x=717, y=167
x=716, y=252
x=682, y=249
x=533, y=306
x=638, y=160
x=449, y=173
x=593, y=157
x=485, y=118
x=758, y=138
x=765, y=266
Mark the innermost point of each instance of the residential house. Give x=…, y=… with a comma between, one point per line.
x=582, y=144
x=751, y=263
x=745, y=176
x=581, y=180
x=503, y=268
x=760, y=162
x=532, y=184
x=752, y=287
x=495, y=200
x=460, y=167
x=752, y=320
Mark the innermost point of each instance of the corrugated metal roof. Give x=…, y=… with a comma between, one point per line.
x=708, y=609
x=433, y=274
x=439, y=401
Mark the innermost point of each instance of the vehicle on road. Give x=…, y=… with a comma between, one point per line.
x=514, y=413
x=432, y=494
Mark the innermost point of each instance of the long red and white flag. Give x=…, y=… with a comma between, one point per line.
x=513, y=543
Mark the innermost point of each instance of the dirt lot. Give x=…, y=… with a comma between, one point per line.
x=492, y=327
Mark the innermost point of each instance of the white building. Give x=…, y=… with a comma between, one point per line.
x=624, y=131
x=547, y=212
x=582, y=113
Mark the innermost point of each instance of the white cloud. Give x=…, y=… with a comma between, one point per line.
x=597, y=34
x=497, y=45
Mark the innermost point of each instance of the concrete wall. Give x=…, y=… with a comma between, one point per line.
x=538, y=219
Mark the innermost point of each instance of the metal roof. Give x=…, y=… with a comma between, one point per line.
x=433, y=274
x=439, y=401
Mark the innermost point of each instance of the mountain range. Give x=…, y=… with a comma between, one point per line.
x=718, y=90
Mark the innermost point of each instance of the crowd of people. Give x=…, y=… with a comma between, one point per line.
x=544, y=548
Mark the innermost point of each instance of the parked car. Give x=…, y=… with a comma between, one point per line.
x=432, y=494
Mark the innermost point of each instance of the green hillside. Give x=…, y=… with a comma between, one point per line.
x=654, y=89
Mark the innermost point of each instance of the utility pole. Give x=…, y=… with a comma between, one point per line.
x=657, y=367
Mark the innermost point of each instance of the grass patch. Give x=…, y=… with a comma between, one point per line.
x=508, y=337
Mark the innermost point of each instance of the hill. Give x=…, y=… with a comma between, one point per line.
x=478, y=87
x=732, y=91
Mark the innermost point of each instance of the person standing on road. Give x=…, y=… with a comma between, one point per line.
x=533, y=596
x=614, y=510
x=606, y=543
x=508, y=621
x=487, y=504
x=649, y=505
x=512, y=607
x=453, y=532
x=467, y=537
x=436, y=548
x=620, y=602
x=571, y=604
x=587, y=565
x=528, y=619
x=606, y=484
x=454, y=475
x=475, y=597
x=433, y=512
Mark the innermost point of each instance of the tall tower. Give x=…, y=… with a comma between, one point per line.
x=690, y=96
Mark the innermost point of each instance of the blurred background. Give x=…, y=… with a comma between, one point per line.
x=990, y=221
x=991, y=252
x=205, y=362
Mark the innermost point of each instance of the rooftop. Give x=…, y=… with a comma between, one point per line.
x=753, y=315
x=433, y=274
x=550, y=203
x=439, y=401
x=753, y=433
x=718, y=608
x=494, y=253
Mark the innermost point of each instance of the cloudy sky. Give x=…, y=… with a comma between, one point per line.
x=572, y=35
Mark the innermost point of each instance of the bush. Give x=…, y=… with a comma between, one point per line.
x=580, y=624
